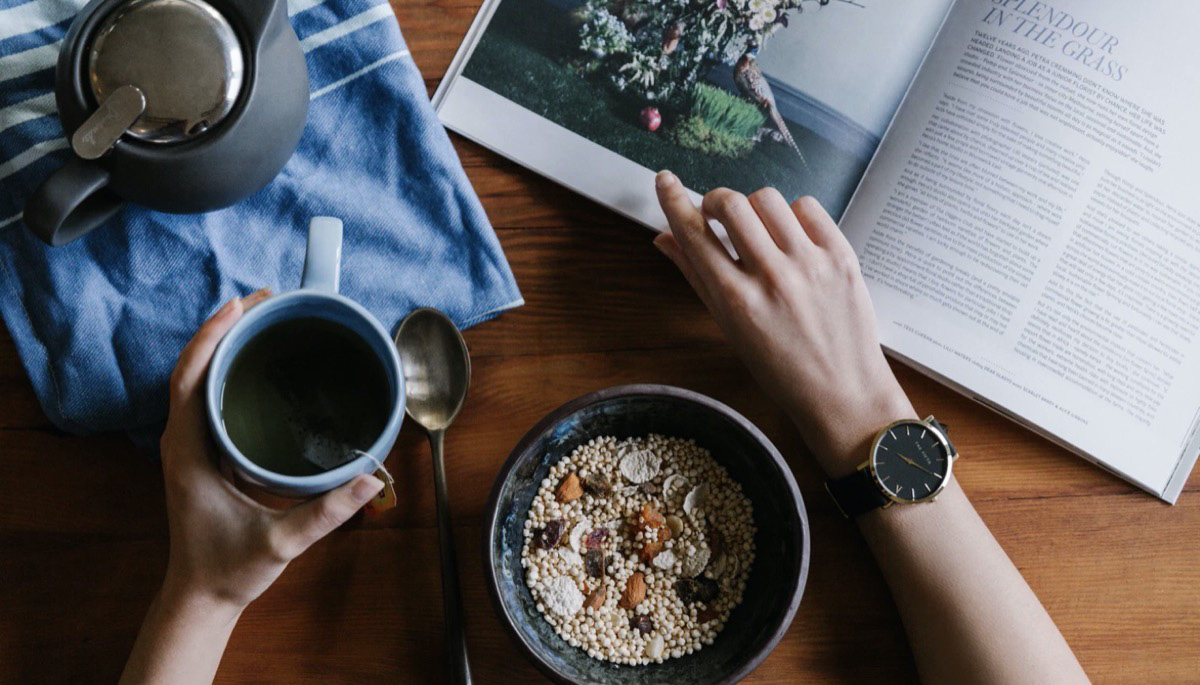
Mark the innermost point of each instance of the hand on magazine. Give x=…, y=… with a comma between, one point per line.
x=795, y=307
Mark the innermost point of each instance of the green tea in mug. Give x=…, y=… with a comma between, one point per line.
x=303, y=395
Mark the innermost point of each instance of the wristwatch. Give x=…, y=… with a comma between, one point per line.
x=909, y=462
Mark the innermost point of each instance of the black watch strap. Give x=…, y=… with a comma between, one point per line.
x=856, y=494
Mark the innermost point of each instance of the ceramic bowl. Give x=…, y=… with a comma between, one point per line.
x=776, y=579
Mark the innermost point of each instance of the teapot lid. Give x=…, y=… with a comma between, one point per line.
x=183, y=55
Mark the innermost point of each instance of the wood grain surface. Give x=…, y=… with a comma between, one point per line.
x=83, y=532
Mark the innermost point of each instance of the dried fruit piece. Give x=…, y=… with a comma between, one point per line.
x=640, y=466
x=716, y=542
x=596, y=538
x=651, y=550
x=551, y=534
x=648, y=489
x=642, y=623
x=650, y=517
x=577, y=533
x=705, y=615
x=569, y=489
x=687, y=589
x=664, y=533
x=635, y=591
x=692, y=590
x=596, y=599
x=708, y=591
x=593, y=563
x=675, y=524
x=597, y=484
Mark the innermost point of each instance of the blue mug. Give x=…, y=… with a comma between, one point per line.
x=317, y=297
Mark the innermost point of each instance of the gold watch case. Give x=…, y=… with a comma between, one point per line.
x=869, y=464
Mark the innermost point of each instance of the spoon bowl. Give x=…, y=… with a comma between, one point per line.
x=437, y=368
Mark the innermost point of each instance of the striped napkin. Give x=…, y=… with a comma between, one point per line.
x=99, y=323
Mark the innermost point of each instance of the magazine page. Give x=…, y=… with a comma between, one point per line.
x=1030, y=229
x=601, y=94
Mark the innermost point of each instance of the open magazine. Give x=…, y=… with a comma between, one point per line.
x=1014, y=175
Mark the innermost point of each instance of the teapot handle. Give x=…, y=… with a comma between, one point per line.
x=70, y=203
x=257, y=15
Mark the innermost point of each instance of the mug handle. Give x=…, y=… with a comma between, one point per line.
x=70, y=203
x=323, y=257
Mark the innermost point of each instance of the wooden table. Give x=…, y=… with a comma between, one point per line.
x=83, y=536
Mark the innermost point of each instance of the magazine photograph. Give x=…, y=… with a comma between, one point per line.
x=794, y=94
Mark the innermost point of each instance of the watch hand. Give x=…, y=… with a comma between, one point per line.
x=910, y=462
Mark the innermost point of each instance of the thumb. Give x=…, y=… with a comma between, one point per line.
x=306, y=523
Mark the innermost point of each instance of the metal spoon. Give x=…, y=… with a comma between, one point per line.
x=437, y=371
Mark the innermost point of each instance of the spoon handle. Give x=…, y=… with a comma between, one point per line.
x=456, y=638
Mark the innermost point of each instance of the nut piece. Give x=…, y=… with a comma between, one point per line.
x=577, y=533
x=596, y=599
x=570, y=489
x=635, y=591
x=673, y=483
x=694, y=503
x=654, y=648
x=675, y=524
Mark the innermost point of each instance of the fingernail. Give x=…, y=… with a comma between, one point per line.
x=260, y=294
x=366, y=487
x=227, y=307
x=664, y=179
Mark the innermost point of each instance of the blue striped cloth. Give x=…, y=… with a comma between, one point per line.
x=99, y=323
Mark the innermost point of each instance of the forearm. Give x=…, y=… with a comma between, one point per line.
x=181, y=640
x=969, y=614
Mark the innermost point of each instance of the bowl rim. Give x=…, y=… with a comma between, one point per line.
x=643, y=390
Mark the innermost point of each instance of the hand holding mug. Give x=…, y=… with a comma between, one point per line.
x=225, y=547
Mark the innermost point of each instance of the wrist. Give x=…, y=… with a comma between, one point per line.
x=840, y=435
x=184, y=596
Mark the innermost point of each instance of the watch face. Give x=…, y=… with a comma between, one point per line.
x=911, y=461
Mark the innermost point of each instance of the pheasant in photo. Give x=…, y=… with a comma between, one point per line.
x=750, y=80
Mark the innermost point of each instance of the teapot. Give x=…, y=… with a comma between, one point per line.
x=181, y=106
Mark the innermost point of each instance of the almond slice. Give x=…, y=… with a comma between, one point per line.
x=570, y=489
x=635, y=591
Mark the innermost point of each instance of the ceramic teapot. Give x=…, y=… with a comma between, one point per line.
x=178, y=105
